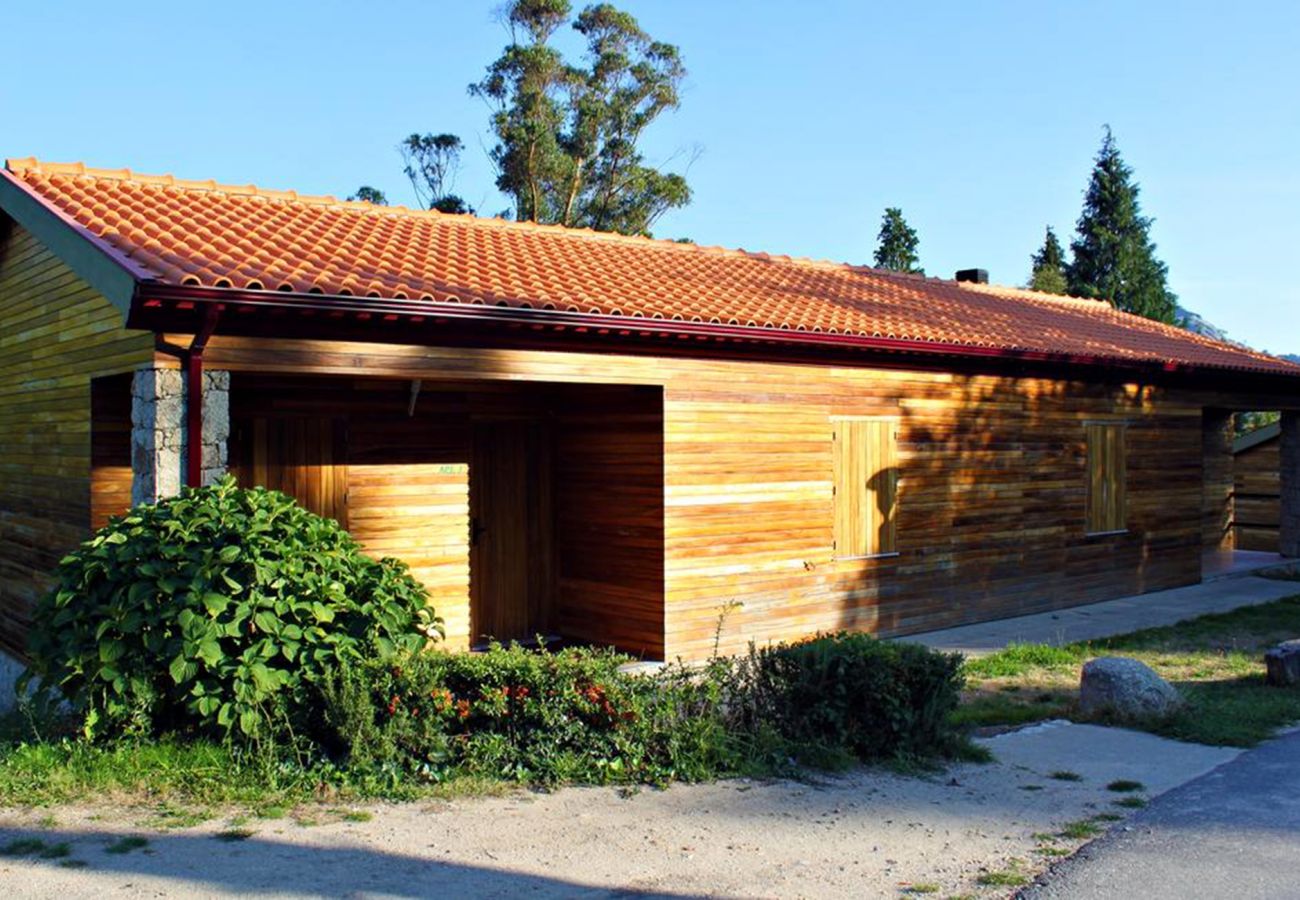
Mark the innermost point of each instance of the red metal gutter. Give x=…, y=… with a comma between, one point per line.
x=159, y=296
x=192, y=359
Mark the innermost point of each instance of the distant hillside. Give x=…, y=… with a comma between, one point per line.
x=1194, y=322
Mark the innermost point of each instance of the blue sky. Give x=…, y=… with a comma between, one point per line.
x=979, y=119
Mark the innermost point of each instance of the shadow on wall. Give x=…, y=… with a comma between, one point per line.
x=992, y=497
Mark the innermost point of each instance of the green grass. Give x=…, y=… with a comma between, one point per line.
x=126, y=845
x=357, y=815
x=1065, y=775
x=231, y=835
x=1130, y=802
x=921, y=887
x=1216, y=661
x=1125, y=786
x=1003, y=878
x=23, y=847
x=1084, y=828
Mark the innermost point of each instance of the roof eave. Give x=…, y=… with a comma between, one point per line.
x=599, y=324
x=98, y=264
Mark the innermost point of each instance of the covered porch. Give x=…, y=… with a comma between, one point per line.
x=528, y=509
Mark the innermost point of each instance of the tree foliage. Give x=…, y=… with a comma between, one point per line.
x=368, y=194
x=567, y=134
x=896, y=244
x=1048, y=266
x=431, y=162
x=1113, y=256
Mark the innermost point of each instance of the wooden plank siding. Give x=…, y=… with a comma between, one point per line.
x=1257, y=501
x=56, y=334
x=991, y=494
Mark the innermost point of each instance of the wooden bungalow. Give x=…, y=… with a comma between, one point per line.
x=604, y=438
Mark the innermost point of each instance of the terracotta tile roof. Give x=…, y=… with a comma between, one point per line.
x=202, y=233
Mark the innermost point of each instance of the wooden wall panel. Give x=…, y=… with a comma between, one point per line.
x=991, y=492
x=110, y=448
x=1217, y=472
x=56, y=334
x=1257, y=503
x=609, y=495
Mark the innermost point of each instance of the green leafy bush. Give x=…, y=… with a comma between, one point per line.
x=573, y=716
x=850, y=693
x=214, y=612
x=525, y=715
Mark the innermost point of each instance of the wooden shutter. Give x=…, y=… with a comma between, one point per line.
x=866, y=487
x=1107, y=478
x=303, y=457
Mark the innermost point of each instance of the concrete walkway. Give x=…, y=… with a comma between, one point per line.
x=1112, y=617
x=1232, y=833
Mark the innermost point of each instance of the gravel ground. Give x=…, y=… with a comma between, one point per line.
x=869, y=833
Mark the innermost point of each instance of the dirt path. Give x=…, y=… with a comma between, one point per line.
x=869, y=833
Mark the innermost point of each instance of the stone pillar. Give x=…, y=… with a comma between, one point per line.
x=1289, y=526
x=158, y=434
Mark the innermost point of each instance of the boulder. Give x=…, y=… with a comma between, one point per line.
x=1126, y=689
x=1283, y=663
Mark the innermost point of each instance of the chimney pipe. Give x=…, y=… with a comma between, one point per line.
x=974, y=276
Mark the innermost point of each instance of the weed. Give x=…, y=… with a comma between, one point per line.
x=1084, y=828
x=1031, y=787
x=1125, y=786
x=47, y=821
x=357, y=815
x=921, y=887
x=1065, y=775
x=23, y=847
x=56, y=851
x=231, y=835
x=1002, y=878
x=1130, y=802
x=1106, y=817
x=272, y=812
x=126, y=845
x=73, y=864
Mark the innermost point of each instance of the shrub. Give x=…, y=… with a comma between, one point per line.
x=526, y=715
x=850, y=693
x=214, y=611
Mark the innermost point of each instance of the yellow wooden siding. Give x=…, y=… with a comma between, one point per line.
x=56, y=334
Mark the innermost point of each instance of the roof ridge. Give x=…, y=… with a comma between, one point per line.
x=19, y=165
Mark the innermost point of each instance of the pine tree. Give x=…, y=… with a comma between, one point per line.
x=1113, y=255
x=896, y=247
x=1048, y=266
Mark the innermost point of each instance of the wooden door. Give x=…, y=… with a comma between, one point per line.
x=510, y=533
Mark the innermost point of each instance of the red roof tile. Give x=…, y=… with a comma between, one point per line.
x=202, y=233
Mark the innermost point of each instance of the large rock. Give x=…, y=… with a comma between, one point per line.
x=1125, y=689
x=1283, y=663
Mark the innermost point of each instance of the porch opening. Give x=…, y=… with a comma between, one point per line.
x=1241, y=506
x=526, y=509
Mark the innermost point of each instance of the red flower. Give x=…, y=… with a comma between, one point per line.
x=462, y=708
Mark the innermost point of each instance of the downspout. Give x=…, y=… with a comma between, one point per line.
x=192, y=360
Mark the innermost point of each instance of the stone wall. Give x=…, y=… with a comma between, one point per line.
x=158, y=433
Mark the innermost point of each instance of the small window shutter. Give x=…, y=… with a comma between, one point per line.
x=1107, y=478
x=866, y=487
